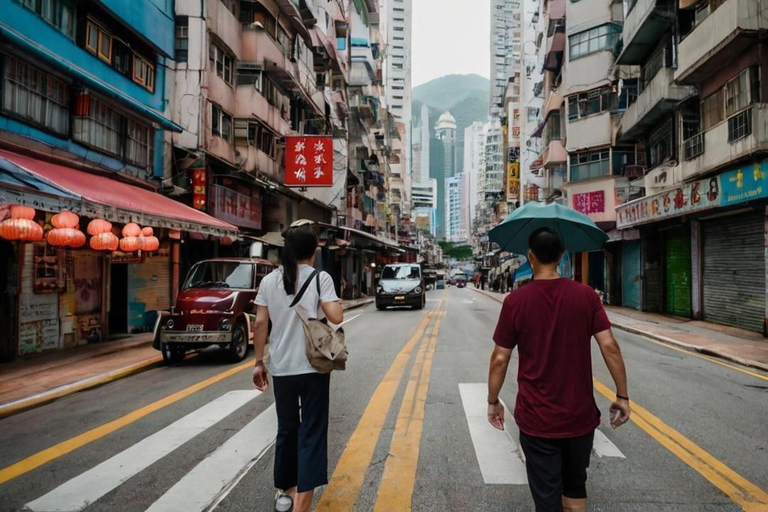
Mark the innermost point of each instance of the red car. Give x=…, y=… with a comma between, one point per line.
x=213, y=308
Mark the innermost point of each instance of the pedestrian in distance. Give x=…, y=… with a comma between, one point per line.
x=301, y=393
x=551, y=321
x=482, y=281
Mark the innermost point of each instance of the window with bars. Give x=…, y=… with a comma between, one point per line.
x=740, y=125
x=35, y=96
x=221, y=123
x=222, y=63
x=591, y=102
x=59, y=13
x=742, y=91
x=181, y=44
x=138, y=144
x=661, y=144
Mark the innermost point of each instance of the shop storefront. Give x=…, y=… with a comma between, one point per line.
x=74, y=286
x=703, y=247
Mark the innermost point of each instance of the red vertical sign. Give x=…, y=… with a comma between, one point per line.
x=309, y=161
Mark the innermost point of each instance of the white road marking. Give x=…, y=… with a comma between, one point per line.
x=603, y=446
x=86, y=488
x=498, y=454
x=212, y=479
x=500, y=459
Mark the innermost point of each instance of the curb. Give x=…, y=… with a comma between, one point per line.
x=671, y=341
x=693, y=348
x=46, y=397
x=359, y=304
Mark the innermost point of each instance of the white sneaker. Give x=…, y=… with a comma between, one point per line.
x=283, y=502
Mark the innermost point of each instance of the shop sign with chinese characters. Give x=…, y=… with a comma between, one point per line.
x=589, y=202
x=733, y=187
x=309, y=161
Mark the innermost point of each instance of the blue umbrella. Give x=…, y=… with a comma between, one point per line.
x=577, y=231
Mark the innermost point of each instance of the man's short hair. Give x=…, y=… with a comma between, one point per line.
x=546, y=245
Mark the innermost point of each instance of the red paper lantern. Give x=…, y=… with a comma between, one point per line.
x=79, y=240
x=21, y=229
x=66, y=237
x=147, y=232
x=22, y=212
x=65, y=219
x=99, y=226
x=149, y=243
x=226, y=241
x=131, y=230
x=130, y=243
x=104, y=242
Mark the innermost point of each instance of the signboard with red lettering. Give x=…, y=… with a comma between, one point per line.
x=589, y=202
x=309, y=161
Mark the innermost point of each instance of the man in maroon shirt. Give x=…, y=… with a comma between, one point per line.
x=552, y=320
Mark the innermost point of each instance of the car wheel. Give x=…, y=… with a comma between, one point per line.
x=420, y=305
x=380, y=307
x=238, y=349
x=173, y=354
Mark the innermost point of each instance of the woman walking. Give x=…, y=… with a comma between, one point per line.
x=301, y=393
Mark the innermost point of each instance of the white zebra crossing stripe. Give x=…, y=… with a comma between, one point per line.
x=603, y=446
x=211, y=480
x=500, y=460
x=86, y=488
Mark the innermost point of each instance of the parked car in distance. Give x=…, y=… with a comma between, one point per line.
x=401, y=284
x=213, y=308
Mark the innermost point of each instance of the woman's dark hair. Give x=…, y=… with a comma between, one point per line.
x=546, y=245
x=300, y=244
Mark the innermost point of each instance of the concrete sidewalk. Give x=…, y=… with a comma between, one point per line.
x=28, y=383
x=743, y=347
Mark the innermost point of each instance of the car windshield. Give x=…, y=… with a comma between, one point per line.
x=401, y=273
x=221, y=274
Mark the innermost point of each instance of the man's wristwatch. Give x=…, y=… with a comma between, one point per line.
x=260, y=362
x=621, y=397
x=493, y=403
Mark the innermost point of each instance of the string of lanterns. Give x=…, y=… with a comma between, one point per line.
x=66, y=232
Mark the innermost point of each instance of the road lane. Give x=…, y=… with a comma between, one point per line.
x=717, y=409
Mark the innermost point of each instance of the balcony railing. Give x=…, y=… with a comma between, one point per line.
x=740, y=125
x=693, y=146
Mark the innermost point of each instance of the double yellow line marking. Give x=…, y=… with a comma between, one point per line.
x=397, y=484
x=740, y=490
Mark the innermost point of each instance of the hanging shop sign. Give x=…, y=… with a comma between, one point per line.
x=733, y=187
x=513, y=185
x=309, y=161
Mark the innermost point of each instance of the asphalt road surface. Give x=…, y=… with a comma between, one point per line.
x=408, y=431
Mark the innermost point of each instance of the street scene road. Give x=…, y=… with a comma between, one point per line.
x=407, y=430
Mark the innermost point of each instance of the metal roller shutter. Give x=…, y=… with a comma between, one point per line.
x=149, y=289
x=734, y=271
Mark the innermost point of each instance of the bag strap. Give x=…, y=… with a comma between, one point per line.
x=303, y=290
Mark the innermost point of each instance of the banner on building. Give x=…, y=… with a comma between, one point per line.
x=309, y=161
x=513, y=181
x=744, y=184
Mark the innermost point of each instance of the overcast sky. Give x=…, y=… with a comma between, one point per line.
x=450, y=37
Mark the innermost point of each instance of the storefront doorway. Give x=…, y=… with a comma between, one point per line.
x=8, y=303
x=118, y=300
x=677, y=271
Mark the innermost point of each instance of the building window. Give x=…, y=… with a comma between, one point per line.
x=740, y=125
x=591, y=102
x=553, y=126
x=222, y=63
x=712, y=109
x=232, y=6
x=742, y=91
x=593, y=40
x=35, y=96
x=221, y=123
x=257, y=135
x=661, y=144
x=59, y=13
x=99, y=42
x=590, y=164
x=181, y=46
x=533, y=114
x=138, y=144
x=143, y=73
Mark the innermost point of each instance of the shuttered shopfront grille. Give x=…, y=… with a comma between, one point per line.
x=677, y=248
x=734, y=271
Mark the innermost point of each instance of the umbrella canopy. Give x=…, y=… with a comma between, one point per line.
x=577, y=231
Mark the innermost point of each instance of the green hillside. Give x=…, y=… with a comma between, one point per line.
x=445, y=92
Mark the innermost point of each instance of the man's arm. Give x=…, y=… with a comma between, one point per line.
x=497, y=373
x=611, y=352
x=260, y=332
